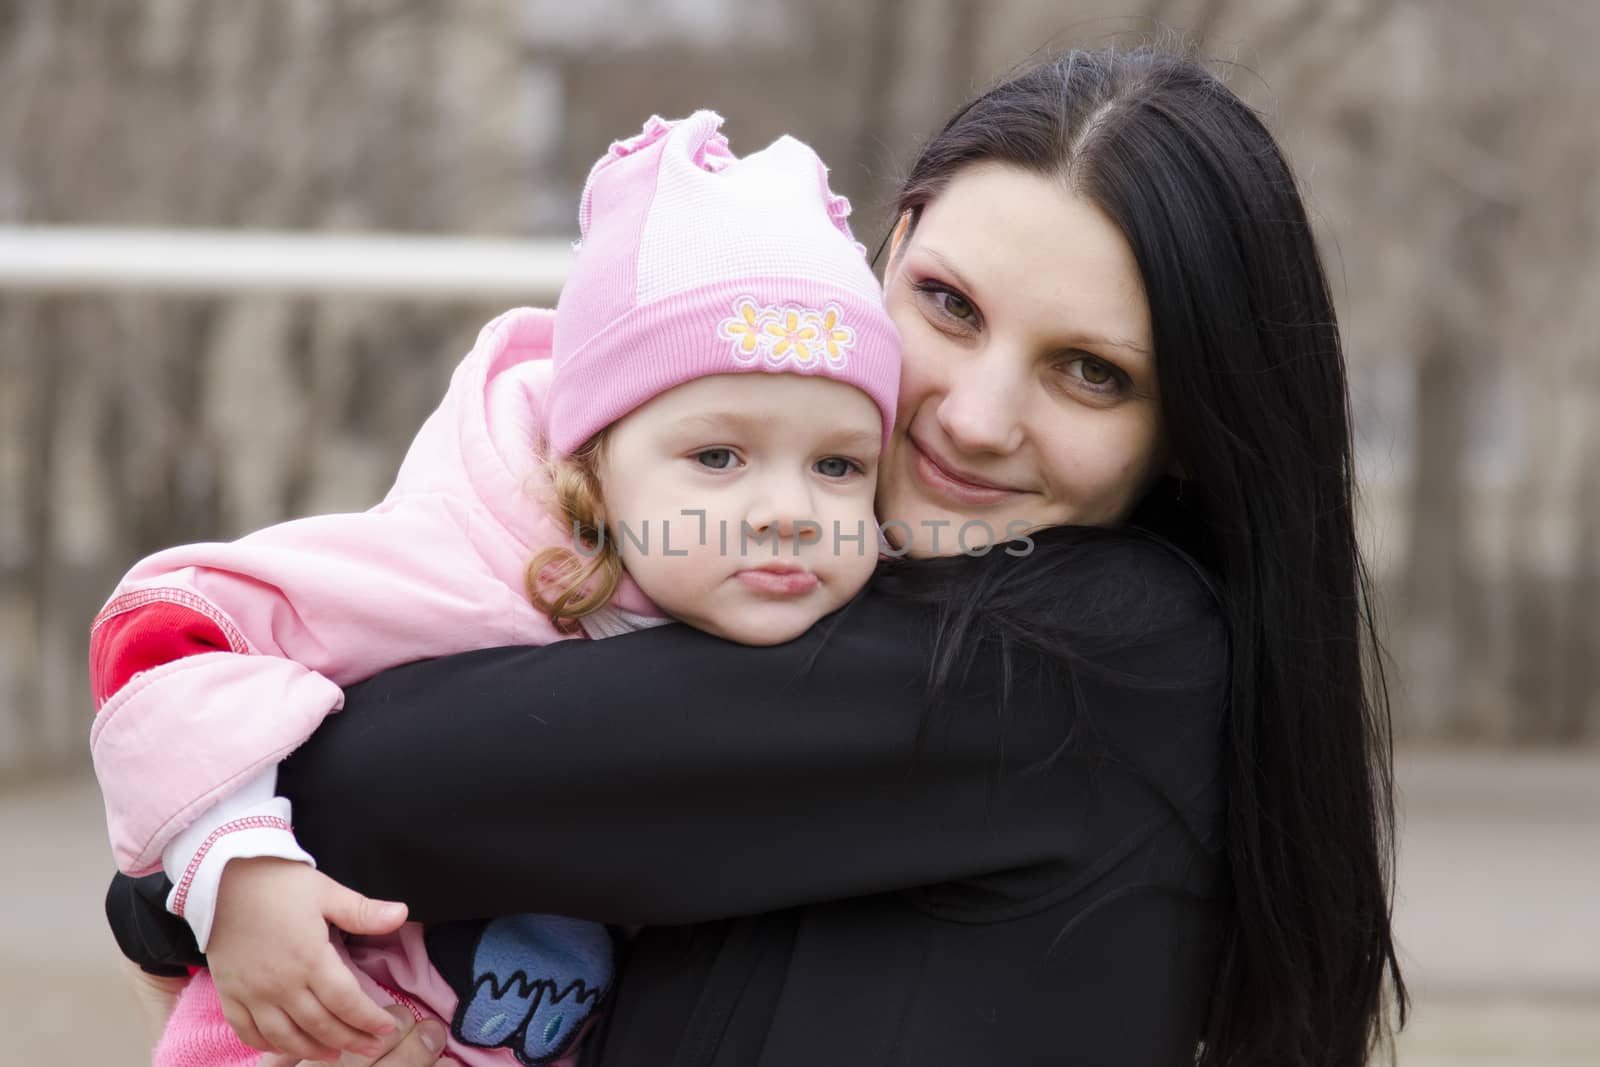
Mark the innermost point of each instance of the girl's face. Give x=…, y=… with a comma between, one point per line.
x=742, y=503
x=1028, y=389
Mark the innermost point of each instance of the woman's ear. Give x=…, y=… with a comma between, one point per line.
x=897, y=238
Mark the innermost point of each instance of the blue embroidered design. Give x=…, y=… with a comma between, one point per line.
x=535, y=980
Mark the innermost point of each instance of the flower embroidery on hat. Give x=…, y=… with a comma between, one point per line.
x=837, y=338
x=744, y=329
x=784, y=334
x=794, y=336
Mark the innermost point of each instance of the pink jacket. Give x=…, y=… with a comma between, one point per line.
x=211, y=662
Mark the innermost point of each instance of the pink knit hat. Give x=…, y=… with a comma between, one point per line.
x=695, y=262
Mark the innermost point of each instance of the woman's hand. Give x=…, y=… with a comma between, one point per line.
x=284, y=988
x=156, y=997
x=409, y=1044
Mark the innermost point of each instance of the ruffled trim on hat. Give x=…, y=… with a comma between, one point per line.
x=839, y=210
x=839, y=215
x=708, y=150
x=712, y=153
x=655, y=128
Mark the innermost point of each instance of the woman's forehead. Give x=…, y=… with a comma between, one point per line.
x=1023, y=246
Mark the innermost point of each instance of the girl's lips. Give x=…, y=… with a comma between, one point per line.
x=778, y=581
x=951, y=486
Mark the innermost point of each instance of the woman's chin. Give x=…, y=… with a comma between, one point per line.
x=921, y=528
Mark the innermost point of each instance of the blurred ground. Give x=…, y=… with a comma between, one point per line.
x=1500, y=870
x=1497, y=912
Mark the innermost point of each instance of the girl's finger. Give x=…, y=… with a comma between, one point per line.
x=285, y=1035
x=244, y=1025
x=314, y=1018
x=336, y=987
x=403, y=1027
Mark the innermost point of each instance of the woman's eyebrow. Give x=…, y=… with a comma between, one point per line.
x=1112, y=342
x=950, y=268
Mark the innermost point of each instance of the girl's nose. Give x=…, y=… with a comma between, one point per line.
x=783, y=507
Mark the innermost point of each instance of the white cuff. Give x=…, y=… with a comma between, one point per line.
x=249, y=823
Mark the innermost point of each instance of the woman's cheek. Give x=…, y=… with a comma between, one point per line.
x=1132, y=469
x=920, y=345
x=1100, y=467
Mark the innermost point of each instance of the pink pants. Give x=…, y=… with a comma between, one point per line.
x=198, y=1035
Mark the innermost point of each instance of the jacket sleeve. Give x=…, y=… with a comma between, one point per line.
x=212, y=661
x=670, y=777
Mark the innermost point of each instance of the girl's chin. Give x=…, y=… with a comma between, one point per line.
x=762, y=623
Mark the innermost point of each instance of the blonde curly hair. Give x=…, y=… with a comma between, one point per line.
x=569, y=582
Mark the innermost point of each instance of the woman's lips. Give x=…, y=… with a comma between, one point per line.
x=779, y=581
x=954, y=487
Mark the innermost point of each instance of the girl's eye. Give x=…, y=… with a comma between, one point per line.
x=836, y=467
x=718, y=459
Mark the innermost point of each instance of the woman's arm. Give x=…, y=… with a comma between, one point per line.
x=670, y=777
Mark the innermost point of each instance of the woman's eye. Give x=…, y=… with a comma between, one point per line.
x=947, y=304
x=957, y=307
x=718, y=459
x=836, y=467
x=1096, y=375
x=1094, y=372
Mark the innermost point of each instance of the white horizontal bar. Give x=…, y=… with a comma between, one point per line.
x=80, y=259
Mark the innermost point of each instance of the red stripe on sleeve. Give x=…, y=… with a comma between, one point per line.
x=132, y=637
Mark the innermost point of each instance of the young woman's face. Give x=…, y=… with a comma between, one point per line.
x=1028, y=392
x=742, y=503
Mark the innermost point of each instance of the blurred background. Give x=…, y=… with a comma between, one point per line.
x=1450, y=153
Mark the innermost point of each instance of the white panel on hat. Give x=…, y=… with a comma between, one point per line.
x=764, y=216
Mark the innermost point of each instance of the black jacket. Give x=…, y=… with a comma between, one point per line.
x=830, y=868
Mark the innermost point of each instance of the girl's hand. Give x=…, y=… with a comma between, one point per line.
x=407, y=1045
x=284, y=988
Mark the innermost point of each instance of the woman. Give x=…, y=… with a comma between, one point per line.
x=1112, y=794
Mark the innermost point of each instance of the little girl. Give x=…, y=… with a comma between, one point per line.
x=691, y=435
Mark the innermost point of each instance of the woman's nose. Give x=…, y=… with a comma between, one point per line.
x=982, y=406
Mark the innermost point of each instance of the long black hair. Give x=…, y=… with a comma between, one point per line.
x=1255, y=408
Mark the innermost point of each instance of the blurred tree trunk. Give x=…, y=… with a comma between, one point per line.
x=1436, y=554
x=881, y=73
x=42, y=388
x=1581, y=715
x=1547, y=337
